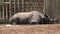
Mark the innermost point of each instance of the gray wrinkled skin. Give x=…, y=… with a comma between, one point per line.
x=27, y=17
x=36, y=18
x=20, y=17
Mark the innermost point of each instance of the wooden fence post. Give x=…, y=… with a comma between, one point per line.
x=15, y=6
x=22, y=5
x=10, y=8
x=18, y=5
x=6, y=9
x=3, y=10
x=44, y=9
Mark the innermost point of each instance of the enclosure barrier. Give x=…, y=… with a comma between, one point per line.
x=10, y=7
x=6, y=9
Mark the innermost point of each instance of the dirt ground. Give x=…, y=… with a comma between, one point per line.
x=31, y=29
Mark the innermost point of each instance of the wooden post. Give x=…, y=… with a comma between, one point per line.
x=3, y=10
x=34, y=4
x=15, y=3
x=38, y=5
x=18, y=5
x=10, y=8
x=6, y=9
x=44, y=9
x=22, y=5
x=0, y=12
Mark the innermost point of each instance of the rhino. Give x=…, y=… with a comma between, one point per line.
x=32, y=17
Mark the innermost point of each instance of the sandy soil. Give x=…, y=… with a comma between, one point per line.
x=31, y=29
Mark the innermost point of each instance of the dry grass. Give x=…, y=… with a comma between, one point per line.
x=31, y=29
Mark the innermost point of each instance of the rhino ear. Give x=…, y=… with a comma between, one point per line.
x=46, y=16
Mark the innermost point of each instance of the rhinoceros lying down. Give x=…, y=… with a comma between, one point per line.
x=33, y=17
x=26, y=17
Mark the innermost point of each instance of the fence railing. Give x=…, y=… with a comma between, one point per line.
x=10, y=7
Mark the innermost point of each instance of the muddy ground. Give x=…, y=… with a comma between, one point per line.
x=31, y=29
